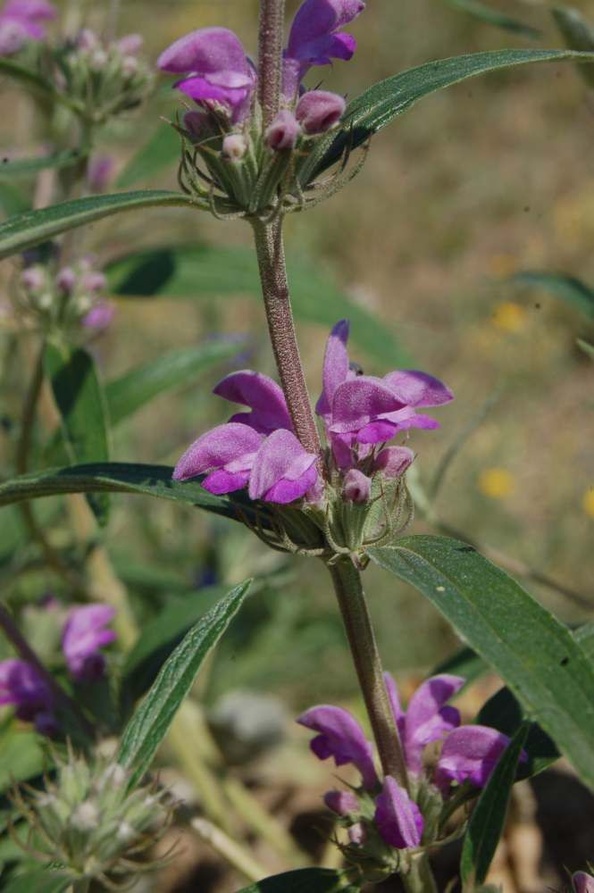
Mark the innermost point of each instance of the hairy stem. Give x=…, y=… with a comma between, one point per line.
x=277, y=301
x=420, y=877
x=270, y=49
x=361, y=638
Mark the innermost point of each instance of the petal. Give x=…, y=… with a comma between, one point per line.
x=336, y=365
x=84, y=631
x=216, y=448
x=417, y=388
x=341, y=737
x=427, y=717
x=356, y=486
x=317, y=18
x=223, y=481
x=205, y=51
x=281, y=460
x=470, y=754
x=398, y=818
x=263, y=395
x=360, y=401
x=393, y=461
x=202, y=90
x=32, y=10
x=341, y=802
x=582, y=882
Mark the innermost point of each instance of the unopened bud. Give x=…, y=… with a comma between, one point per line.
x=341, y=802
x=85, y=817
x=318, y=111
x=234, y=146
x=93, y=281
x=283, y=132
x=357, y=834
x=87, y=40
x=33, y=278
x=356, y=486
x=393, y=461
x=130, y=44
x=582, y=882
x=98, y=60
x=66, y=280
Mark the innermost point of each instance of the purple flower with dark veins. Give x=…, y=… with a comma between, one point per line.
x=85, y=634
x=22, y=687
x=21, y=21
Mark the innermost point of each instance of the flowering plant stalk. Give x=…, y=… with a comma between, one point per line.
x=96, y=681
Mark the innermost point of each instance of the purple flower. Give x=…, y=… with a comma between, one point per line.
x=20, y=21
x=398, y=818
x=218, y=71
x=100, y=316
x=362, y=411
x=428, y=717
x=83, y=636
x=283, y=470
x=284, y=131
x=315, y=38
x=469, y=754
x=264, y=397
x=582, y=882
x=340, y=736
x=28, y=692
x=318, y=111
x=341, y=802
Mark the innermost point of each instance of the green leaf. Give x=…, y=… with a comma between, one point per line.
x=206, y=272
x=568, y=288
x=41, y=881
x=151, y=721
x=12, y=199
x=161, y=151
x=503, y=712
x=493, y=17
x=123, y=477
x=27, y=77
x=488, y=818
x=134, y=389
x=588, y=349
x=535, y=654
x=584, y=636
x=81, y=403
x=577, y=33
x=160, y=636
x=304, y=880
x=33, y=227
x=21, y=755
x=380, y=104
x=25, y=167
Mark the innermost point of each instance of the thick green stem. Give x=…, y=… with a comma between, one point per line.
x=420, y=877
x=270, y=54
x=361, y=638
x=277, y=301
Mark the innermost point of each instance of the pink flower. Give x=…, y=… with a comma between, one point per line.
x=83, y=637
x=20, y=22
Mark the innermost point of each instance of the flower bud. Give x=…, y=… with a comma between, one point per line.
x=130, y=44
x=93, y=281
x=582, y=882
x=283, y=132
x=234, y=146
x=33, y=279
x=318, y=111
x=356, y=487
x=66, y=280
x=341, y=802
x=357, y=834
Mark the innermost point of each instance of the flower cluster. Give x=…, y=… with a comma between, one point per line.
x=242, y=162
x=102, y=78
x=22, y=22
x=22, y=685
x=91, y=825
x=69, y=298
x=383, y=819
x=258, y=450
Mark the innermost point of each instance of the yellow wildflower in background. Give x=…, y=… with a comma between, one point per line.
x=588, y=502
x=509, y=317
x=497, y=483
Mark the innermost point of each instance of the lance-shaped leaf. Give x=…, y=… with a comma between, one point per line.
x=162, y=150
x=577, y=33
x=152, y=720
x=27, y=167
x=488, y=818
x=305, y=880
x=568, y=288
x=79, y=397
x=33, y=227
x=123, y=477
x=134, y=389
x=380, y=104
x=493, y=17
x=536, y=655
x=205, y=272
